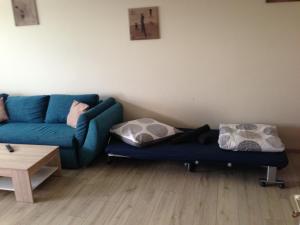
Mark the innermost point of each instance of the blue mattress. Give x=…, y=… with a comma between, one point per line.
x=194, y=151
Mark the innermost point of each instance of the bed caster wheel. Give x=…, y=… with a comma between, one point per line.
x=295, y=214
x=262, y=183
x=278, y=183
x=191, y=167
x=109, y=160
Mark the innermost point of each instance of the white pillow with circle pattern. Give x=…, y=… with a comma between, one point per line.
x=143, y=132
x=250, y=137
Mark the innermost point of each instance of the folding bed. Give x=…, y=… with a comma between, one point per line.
x=194, y=153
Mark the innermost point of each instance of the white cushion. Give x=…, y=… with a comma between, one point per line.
x=143, y=132
x=250, y=137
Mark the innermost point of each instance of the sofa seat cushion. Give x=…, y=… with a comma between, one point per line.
x=38, y=134
x=30, y=109
x=59, y=106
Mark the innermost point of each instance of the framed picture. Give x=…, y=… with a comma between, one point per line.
x=25, y=12
x=144, y=23
x=270, y=1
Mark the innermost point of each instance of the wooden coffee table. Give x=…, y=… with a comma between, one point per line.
x=26, y=168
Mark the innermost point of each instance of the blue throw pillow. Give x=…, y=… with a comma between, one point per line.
x=4, y=96
x=85, y=118
x=59, y=106
x=27, y=108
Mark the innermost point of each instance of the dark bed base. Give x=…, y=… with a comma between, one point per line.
x=194, y=153
x=269, y=180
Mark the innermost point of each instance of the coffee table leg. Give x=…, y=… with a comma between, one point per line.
x=22, y=185
x=57, y=163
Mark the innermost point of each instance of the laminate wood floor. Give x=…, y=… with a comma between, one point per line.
x=156, y=193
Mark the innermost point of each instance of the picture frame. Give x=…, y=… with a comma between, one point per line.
x=25, y=12
x=144, y=23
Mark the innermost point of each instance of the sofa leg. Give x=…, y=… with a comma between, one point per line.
x=271, y=178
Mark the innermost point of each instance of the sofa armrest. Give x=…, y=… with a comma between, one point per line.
x=98, y=133
x=85, y=118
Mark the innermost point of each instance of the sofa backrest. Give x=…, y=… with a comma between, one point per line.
x=59, y=106
x=30, y=109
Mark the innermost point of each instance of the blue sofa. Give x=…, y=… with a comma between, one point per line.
x=41, y=120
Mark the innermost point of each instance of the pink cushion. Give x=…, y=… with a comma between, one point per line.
x=3, y=114
x=76, y=110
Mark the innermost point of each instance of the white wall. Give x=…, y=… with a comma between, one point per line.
x=217, y=61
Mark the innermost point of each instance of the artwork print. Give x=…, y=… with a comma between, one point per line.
x=144, y=23
x=25, y=12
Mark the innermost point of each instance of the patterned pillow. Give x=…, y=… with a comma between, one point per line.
x=250, y=137
x=143, y=132
x=3, y=114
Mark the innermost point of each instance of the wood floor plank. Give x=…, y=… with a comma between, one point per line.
x=248, y=204
x=227, y=211
x=207, y=205
x=292, y=177
x=132, y=192
x=147, y=198
x=166, y=201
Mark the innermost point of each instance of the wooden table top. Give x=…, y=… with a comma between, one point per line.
x=25, y=156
